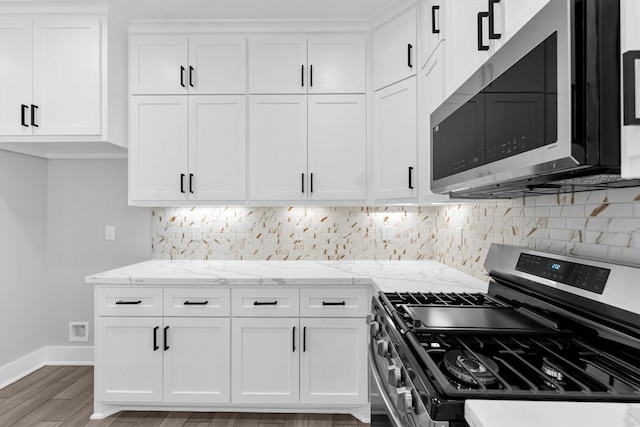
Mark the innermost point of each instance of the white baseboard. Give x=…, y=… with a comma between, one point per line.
x=61, y=355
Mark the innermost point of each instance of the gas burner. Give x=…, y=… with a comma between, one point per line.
x=552, y=370
x=461, y=364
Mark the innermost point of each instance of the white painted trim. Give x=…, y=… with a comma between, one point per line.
x=204, y=26
x=61, y=355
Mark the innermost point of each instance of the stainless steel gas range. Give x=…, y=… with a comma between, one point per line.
x=551, y=328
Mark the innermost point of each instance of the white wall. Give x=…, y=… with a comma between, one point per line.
x=23, y=206
x=83, y=197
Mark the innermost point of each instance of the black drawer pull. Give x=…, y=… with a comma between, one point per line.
x=265, y=302
x=481, y=16
x=435, y=30
x=33, y=115
x=293, y=339
x=334, y=303
x=196, y=303
x=410, y=178
x=23, y=110
x=166, y=347
x=304, y=339
x=128, y=302
x=409, y=47
x=155, y=338
x=629, y=87
x=492, y=21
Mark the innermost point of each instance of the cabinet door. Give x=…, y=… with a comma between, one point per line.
x=219, y=64
x=328, y=376
x=510, y=16
x=265, y=368
x=128, y=359
x=394, y=50
x=464, y=47
x=158, y=64
x=197, y=358
x=435, y=81
x=278, y=147
x=630, y=47
x=217, y=147
x=433, y=26
x=67, y=77
x=395, y=141
x=15, y=75
x=337, y=147
x=158, y=150
x=337, y=64
x=278, y=64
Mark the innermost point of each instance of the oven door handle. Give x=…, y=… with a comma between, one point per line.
x=393, y=413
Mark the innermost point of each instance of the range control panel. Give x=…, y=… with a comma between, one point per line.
x=581, y=276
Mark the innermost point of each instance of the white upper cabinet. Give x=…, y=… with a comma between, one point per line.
x=299, y=65
x=50, y=76
x=432, y=26
x=178, y=65
x=630, y=48
x=336, y=64
x=395, y=141
x=395, y=50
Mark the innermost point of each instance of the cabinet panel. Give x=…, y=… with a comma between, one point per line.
x=394, y=50
x=155, y=63
x=67, y=78
x=337, y=147
x=219, y=64
x=197, y=302
x=128, y=359
x=158, y=153
x=337, y=64
x=217, y=147
x=328, y=302
x=266, y=362
x=433, y=26
x=328, y=376
x=128, y=301
x=277, y=64
x=15, y=75
x=395, y=140
x=267, y=302
x=278, y=147
x=196, y=360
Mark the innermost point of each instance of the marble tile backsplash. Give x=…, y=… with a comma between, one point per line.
x=603, y=224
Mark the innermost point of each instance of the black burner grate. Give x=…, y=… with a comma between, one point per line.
x=442, y=298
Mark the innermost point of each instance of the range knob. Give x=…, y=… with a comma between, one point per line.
x=374, y=329
x=383, y=347
x=404, y=401
x=394, y=375
x=371, y=318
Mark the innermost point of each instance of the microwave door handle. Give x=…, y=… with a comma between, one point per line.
x=481, y=16
x=630, y=87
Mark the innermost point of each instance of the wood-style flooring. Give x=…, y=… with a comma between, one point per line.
x=62, y=396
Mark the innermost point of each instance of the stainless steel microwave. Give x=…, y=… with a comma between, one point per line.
x=542, y=115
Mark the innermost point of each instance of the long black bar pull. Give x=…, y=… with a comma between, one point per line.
x=191, y=183
x=166, y=346
x=195, y=303
x=311, y=183
x=128, y=302
x=190, y=76
x=303, y=182
x=334, y=303
x=182, y=183
x=492, y=20
x=481, y=16
x=265, y=303
x=293, y=343
x=304, y=339
x=23, y=115
x=310, y=75
x=410, y=178
x=630, y=87
x=409, y=47
x=155, y=338
x=302, y=75
x=435, y=30
x=33, y=115
x=182, y=76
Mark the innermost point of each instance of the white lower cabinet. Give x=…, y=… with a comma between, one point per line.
x=265, y=360
x=333, y=361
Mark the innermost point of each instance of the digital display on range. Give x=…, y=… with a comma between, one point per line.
x=587, y=277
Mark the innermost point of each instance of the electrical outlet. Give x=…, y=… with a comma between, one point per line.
x=196, y=232
x=387, y=233
x=109, y=232
x=298, y=232
x=459, y=236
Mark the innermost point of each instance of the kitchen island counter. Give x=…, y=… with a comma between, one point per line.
x=387, y=276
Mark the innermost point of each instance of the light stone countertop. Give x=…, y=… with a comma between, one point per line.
x=383, y=275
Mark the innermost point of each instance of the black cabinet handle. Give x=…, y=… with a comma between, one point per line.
x=265, y=303
x=190, y=76
x=293, y=339
x=191, y=183
x=304, y=339
x=409, y=47
x=166, y=347
x=182, y=76
x=33, y=115
x=182, y=183
x=128, y=302
x=311, y=183
x=434, y=30
x=492, y=20
x=196, y=302
x=310, y=75
x=303, y=182
x=410, y=178
x=23, y=115
x=155, y=338
x=302, y=75
x=334, y=303
x=629, y=85
x=481, y=16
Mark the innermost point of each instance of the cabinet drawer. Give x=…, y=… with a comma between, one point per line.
x=265, y=302
x=129, y=301
x=334, y=302
x=198, y=302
